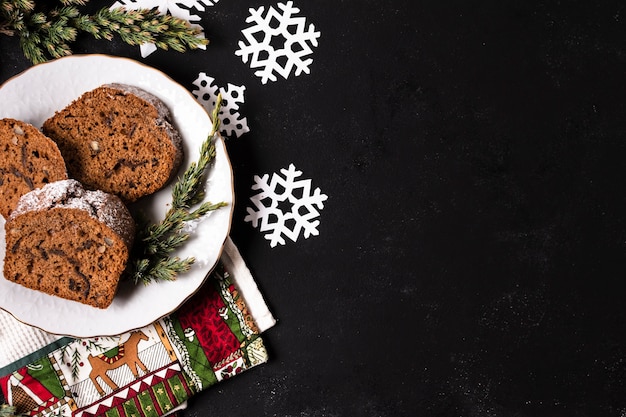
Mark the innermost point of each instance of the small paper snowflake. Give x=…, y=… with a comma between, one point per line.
x=181, y=9
x=232, y=97
x=285, y=206
x=277, y=42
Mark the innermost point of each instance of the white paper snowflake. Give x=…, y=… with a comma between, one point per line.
x=177, y=8
x=232, y=97
x=285, y=206
x=277, y=42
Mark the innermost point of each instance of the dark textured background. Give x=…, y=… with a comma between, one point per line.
x=472, y=249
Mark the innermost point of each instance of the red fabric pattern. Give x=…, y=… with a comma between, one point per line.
x=201, y=313
x=4, y=385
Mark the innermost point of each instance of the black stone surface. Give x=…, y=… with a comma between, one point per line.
x=472, y=252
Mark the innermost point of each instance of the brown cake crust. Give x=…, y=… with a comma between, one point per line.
x=69, y=242
x=119, y=139
x=28, y=160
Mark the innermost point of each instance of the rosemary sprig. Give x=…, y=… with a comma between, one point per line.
x=156, y=242
x=46, y=32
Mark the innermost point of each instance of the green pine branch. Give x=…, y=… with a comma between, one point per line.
x=46, y=33
x=152, y=260
x=8, y=411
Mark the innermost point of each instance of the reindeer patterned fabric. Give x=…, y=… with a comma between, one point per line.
x=148, y=372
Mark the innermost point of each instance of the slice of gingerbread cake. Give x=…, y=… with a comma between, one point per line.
x=28, y=160
x=69, y=242
x=119, y=139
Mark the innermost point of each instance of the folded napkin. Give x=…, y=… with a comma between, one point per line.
x=150, y=371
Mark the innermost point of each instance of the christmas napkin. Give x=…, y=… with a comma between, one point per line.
x=150, y=371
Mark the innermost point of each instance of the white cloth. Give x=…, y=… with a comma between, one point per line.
x=18, y=339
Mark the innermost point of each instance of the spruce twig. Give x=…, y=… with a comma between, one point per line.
x=46, y=33
x=8, y=411
x=156, y=242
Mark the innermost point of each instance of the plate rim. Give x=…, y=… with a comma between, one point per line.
x=209, y=268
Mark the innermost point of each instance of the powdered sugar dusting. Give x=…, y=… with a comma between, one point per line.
x=70, y=194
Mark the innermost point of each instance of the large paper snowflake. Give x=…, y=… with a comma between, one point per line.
x=277, y=42
x=285, y=206
x=177, y=8
x=232, y=97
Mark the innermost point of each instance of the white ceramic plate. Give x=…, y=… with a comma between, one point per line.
x=35, y=95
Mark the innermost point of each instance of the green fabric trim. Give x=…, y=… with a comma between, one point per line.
x=198, y=360
x=130, y=408
x=178, y=388
x=114, y=413
x=111, y=353
x=147, y=405
x=162, y=397
x=35, y=356
x=43, y=372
